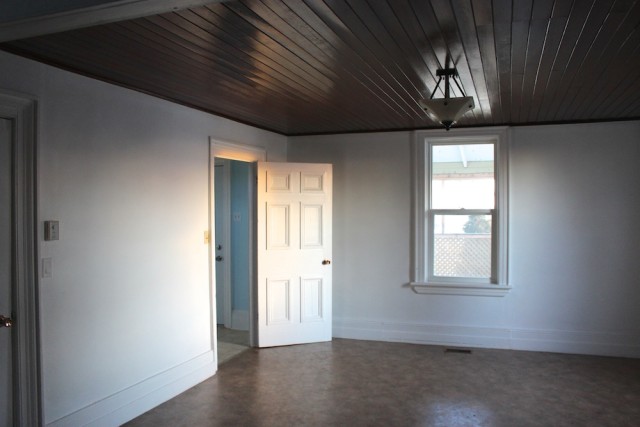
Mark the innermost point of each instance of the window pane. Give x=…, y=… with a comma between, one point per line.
x=462, y=176
x=462, y=246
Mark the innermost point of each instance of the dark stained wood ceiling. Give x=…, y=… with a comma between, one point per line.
x=319, y=66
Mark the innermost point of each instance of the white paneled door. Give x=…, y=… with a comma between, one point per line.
x=294, y=253
x=6, y=401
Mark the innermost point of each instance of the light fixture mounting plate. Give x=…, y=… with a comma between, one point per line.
x=446, y=72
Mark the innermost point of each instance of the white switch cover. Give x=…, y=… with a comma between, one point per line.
x=47, y=267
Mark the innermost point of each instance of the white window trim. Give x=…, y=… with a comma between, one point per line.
x=419, y=283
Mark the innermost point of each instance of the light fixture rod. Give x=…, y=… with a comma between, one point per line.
x=459, y=87
x=436, y=88
x=446, y=87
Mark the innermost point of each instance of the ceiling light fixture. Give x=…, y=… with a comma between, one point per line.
x=447, y=110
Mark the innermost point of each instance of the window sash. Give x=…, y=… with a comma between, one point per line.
x=431, y=238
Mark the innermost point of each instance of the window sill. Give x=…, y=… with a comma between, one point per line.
x=454, y=289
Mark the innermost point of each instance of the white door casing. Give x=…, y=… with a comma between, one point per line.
x=245, y=153
x=222, y=243
x=294, y=214
x=6, y=268
x=21, y=111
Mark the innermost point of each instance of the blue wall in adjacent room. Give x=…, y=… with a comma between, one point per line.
x=240, y=172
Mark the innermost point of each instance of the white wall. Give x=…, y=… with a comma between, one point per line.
x=574, y=239
x=125, y=318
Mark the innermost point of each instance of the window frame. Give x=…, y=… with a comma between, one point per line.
x=422, y=279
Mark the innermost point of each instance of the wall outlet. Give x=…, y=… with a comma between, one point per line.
x=236, y=217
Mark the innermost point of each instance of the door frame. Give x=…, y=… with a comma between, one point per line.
x=225, y=238
x=244, y=153
x=22, y=110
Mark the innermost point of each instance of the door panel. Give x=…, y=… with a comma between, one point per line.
x=278, y=302
x=278, y=226
x=6, y=401
x=311, y=299
x=294, y=240
x=311, y=226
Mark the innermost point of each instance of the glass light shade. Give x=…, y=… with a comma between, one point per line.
x=447, y=110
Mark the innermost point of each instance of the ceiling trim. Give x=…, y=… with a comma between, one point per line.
x=108, y=11
x=474, y=126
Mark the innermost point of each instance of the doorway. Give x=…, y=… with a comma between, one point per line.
x=232, y=255
x=290, y=248
x=232, y=211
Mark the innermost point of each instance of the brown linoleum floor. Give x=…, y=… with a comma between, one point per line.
x=365, y=383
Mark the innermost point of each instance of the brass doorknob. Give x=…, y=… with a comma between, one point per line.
x=326, y=262
x=5, y=322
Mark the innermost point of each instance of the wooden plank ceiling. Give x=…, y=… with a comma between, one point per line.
x=322, y=66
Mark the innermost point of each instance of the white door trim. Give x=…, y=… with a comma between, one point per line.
x=235, y=151
x=22, y=111
x=244, y=153
x=225, y=239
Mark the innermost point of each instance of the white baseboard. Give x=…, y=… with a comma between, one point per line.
x=240, y=320
x=578, y=342
x=139, y=398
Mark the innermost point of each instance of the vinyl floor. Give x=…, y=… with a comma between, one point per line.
x=366, y=383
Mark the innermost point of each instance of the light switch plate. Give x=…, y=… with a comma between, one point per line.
x=51, y=230
x=47, y=268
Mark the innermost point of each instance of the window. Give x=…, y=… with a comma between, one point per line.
x=460, y=217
